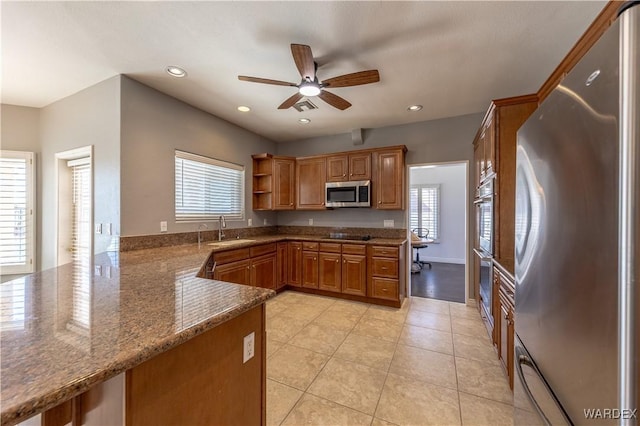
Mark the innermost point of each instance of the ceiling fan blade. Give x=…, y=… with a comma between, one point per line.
x=334, y=100
x=303, y=58
x=265, y=81
x=291, y=101
x=354, y=79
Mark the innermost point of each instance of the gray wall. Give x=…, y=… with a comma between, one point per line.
x=21, y=132
x=89, y=117
x=427, y=142
x=154, y=125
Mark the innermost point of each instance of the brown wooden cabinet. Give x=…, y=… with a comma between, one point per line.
x=310, y=269
x=281, y=265
x=273, y=182
x=346, y=167
x=263, y=271
x=284, y=172
x=386, y=277
x=311, y=175
x=330, y=271
x=294, y=263
x=354, y=269
x=238, y=272
x=388, y=179
x=505, y=321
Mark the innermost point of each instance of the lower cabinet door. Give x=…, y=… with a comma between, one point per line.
x=310, y=269
x=294, y=263
x=354, y=274
x=234, y=272
x=330, y=272
x=384, y=288
x=281, y=265
x=263, y=271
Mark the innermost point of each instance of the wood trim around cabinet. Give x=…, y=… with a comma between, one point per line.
x=602, y=22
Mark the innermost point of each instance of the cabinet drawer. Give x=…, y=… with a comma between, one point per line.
x=263, y=249
x=354, y=249
x=383, y=288
x=231, y=255
x=381, y=267
x=330, y=247
x=308, y=245
x=384, y=251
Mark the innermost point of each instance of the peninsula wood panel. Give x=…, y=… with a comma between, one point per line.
x=203, y=381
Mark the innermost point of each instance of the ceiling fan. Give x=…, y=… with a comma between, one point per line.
x=311, y=86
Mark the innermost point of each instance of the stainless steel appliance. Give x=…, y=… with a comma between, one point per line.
x=348, y=194
x=577, y=235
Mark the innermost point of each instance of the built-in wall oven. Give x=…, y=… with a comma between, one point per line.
x=484, y=245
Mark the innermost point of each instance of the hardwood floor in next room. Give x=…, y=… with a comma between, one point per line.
x=335, y=362
x=444, y=281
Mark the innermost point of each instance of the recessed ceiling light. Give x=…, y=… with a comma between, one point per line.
x=304, y=120
x=415, y=108
x=176, y=71
x=243, y=108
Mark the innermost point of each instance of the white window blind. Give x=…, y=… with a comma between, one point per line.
x=17, y=206
x=81, y=241
x=207, y=188
x=424, y=209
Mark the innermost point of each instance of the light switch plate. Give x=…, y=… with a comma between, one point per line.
x=389, y=223
x=107, y=229
x=98, y=228
x=163, y=226
x=264, y=222
x=249, y=222
x=248, y=349
x=310, y=222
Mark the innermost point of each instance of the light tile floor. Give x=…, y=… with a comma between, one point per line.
x=335, y=362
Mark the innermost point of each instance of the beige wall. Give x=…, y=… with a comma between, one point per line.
x=21, y=132
x=153, y=126
x=89, y=117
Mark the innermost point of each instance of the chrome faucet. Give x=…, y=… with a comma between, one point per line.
x=200, y=228
x=223, y=224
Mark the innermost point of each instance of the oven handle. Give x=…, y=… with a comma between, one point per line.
x=483, y=256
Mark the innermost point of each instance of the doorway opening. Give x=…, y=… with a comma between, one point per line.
x=74, y=181
x=437, y=218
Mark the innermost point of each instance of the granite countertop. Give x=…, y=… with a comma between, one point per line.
x=68, y=328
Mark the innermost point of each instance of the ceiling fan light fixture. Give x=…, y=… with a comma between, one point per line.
x=414, y=108
x=243, y=108
x=174, y=71
x=304, y=120
x=309, y=89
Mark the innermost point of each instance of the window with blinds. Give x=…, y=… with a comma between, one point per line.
x=207, y=188
x=424, y=209
x=17, y=205
x=81, y=241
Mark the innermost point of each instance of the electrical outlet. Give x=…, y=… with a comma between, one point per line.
x=389, y=223
x=98, y=228
x=248, y=347
x=264, y=222
x=249, y=222
x=163, y=226
x=310, y=222
x=107, y=229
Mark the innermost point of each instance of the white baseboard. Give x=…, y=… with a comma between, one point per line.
x=441, y=260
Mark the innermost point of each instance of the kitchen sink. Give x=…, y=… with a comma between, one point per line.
x=228, y=243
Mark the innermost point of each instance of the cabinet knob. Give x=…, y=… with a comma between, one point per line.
x=291, y=204
x=314, y=258
x=344, y=174
x=336, y=260
x=344, y=261
x=379, y=202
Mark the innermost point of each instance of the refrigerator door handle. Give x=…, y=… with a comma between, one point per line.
x=523, y=359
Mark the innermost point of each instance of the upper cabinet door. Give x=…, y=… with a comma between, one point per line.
x=389, y=179
x=311, y=176
x=360, y=166
x=284, y=183
x=337, y=168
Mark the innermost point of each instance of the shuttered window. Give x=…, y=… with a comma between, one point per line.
x=424, y=209
x=81, y=241
x=207, y=188
x=17, y=206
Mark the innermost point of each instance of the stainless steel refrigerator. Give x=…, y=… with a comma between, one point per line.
x=577, y=235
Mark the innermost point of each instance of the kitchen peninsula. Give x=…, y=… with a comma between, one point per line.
x=177, y=338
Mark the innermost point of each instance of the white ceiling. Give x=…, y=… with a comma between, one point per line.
x=451, y=57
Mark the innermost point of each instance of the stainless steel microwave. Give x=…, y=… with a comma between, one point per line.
x=348, y=194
